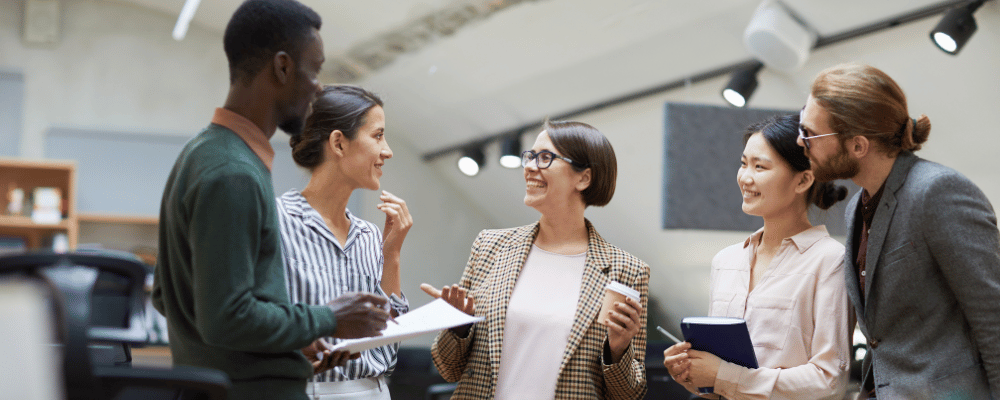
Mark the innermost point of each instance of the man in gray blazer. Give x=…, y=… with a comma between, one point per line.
x=923, y=249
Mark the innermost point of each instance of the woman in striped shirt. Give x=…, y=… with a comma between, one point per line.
x=328, y=251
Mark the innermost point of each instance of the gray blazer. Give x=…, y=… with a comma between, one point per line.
x=932, y=309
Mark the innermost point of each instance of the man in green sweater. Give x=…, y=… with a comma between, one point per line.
x=219, y=277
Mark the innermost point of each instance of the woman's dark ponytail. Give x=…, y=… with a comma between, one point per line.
x=825, y=194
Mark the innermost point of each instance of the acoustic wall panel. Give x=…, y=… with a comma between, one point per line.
x=702, y=148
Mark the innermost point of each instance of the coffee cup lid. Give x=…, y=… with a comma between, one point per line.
x=625, y=290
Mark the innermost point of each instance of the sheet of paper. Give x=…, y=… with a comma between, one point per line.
x=432, y=317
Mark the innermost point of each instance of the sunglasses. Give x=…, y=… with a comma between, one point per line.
x=803, y=134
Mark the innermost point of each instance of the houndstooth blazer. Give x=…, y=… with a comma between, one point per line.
x=490, y=275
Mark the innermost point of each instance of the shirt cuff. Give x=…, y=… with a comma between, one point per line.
x=727, y=379
x=399, y=303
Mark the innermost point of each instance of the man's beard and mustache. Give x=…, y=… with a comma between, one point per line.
x=292, y=126
x=838, y=166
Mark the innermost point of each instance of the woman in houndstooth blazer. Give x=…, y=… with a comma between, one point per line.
x=540, y=287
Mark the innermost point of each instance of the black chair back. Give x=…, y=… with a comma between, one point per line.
x=99, y=298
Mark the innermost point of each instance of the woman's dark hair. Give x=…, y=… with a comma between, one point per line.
x=339, y=107
x=781, y=133
x=260, y=28
x=588, y=146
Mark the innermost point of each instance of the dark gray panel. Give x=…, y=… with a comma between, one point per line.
x=11, y=109
x=702, y=147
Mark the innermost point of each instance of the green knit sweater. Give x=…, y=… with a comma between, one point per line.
x=219, y=276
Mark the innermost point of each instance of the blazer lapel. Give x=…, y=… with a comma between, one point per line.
x=876, y=237
x=883, y=216
x=503, y=276
x=595, y=277
x=851, y=274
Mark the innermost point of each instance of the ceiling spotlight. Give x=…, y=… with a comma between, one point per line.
x=472, y=160
x=955, y=28
x=510, y=152
x=741, y=85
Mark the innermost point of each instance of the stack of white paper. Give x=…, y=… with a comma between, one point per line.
x=432, y=317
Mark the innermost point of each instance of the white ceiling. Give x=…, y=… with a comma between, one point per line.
x=526, y=60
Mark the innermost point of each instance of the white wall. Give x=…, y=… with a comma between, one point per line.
x=115, y=68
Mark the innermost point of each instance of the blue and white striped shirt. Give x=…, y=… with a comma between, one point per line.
x=318, y=270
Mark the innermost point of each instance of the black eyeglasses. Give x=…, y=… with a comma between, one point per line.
x=545, y=159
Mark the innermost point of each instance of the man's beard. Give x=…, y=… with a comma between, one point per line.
x=292, y=126
x=839, y=166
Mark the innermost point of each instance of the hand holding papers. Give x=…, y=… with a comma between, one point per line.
x=432, y=317
x=322, y=358
x=456, y=296
x=359, y=315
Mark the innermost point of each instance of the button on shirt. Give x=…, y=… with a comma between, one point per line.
x=796, y=315
x=318, y=269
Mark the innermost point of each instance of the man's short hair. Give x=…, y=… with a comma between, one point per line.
x=261, y=28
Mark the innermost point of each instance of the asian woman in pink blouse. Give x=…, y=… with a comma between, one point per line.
x=786, y=280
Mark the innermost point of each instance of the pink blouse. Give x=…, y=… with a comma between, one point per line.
x=797, y=316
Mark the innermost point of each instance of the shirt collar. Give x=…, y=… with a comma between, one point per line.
x=802, y=240
x=248, y=131
x=296, y=204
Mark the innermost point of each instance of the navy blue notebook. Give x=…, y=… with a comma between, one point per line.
x=727, y=338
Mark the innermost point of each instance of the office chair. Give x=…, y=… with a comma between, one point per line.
x=99, y=297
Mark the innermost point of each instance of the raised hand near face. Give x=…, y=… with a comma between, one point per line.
x=397, y=224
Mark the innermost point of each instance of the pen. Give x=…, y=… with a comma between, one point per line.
x=667, y=334
x=389, y=310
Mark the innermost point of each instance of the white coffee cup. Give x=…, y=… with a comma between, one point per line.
x=615, y=292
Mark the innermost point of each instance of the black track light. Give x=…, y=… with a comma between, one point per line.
x=741, y=85
x=473, y=159
x=955, y=28
x=510, y=152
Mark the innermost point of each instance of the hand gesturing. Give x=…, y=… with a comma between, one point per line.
x=456, y=296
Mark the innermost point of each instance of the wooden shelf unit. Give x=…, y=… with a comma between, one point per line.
x=28, y=175
x=115, y=219
x=132, y=233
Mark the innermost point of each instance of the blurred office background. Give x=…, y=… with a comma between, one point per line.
x=106, y=84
